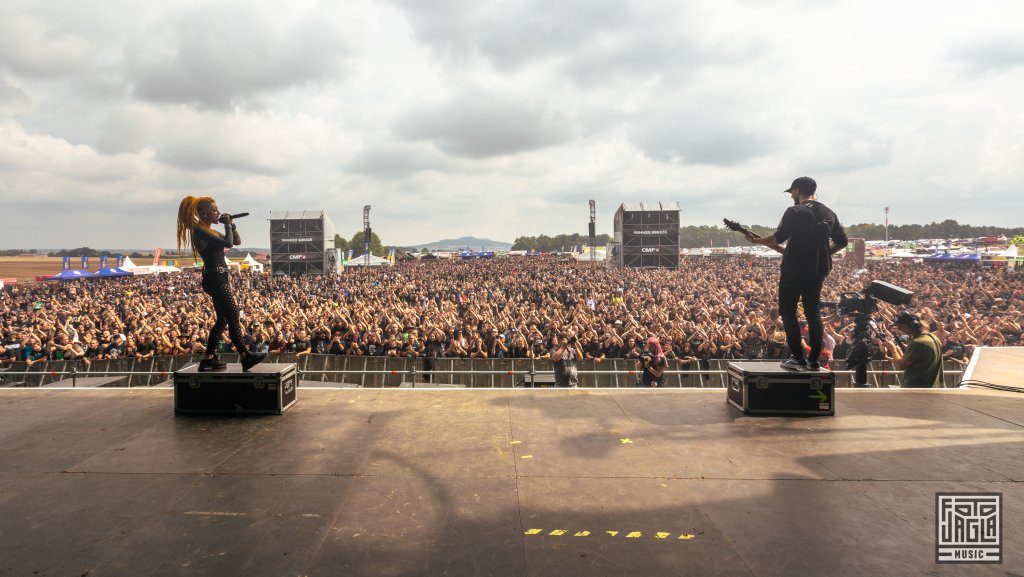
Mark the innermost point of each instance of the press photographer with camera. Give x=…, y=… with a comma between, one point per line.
x=921, y=362
x=652, y=364
x=565, y=353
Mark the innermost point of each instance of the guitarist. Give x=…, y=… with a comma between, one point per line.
x=812, y=234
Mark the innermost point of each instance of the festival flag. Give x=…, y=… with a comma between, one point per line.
x=351, y=252
x=156, y=256
x=67, y=263
x=120, y=260
x=85, y=262
x=103, y=261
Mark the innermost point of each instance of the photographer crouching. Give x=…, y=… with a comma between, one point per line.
x=921, y=362
x=565, y=353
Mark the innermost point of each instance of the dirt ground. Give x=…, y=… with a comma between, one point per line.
x=27, y=268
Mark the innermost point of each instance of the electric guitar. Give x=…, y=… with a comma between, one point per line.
x=733, y=225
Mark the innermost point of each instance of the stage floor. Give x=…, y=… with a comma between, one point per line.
x=499, y=482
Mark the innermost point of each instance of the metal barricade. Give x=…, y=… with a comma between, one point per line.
x=502, y=380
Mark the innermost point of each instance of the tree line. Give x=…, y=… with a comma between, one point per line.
x=716, y=236
x=708, y=236
x=545, y=243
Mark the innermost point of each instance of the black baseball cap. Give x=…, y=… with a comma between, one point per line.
x=906, y=318
x=806, y=185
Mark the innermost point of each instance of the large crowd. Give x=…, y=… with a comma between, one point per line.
x=498, y=308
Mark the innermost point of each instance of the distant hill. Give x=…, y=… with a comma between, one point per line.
x=470, y=242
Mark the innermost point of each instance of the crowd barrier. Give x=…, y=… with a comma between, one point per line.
x=378, y=372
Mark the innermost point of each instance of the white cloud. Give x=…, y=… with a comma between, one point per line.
x=30, y=47
x=498, y=119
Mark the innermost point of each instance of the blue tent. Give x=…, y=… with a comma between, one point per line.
x=105, y=272
x=947, y=257
x=72, y=274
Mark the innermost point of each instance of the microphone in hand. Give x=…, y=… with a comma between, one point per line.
x=226, y=218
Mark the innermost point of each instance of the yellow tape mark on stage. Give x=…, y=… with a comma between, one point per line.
x=526, y=457
x=514, y=442
x=626, y=441
x=630, y=535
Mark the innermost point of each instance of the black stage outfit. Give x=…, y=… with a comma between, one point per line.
x=809, y=227
x=211, y=245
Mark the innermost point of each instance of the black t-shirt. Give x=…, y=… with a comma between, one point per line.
x=145, y=348
x=320, y=345
x=841, y=350
x=13, y=347
x=117, y=351
x=808, y=227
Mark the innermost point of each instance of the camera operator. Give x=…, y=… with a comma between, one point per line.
x=653, y=364
x=565, y=353
x=921, y=362
x=812, y=234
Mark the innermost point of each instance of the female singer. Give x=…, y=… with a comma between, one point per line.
x=195, y=218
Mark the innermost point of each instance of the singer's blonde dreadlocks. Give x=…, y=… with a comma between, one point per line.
x=188, y=218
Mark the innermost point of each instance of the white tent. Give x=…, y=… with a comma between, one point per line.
x=251, y=263
x=374, y=261
x=134, y=268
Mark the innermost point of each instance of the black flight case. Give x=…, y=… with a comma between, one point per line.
x=266, y=388
x=766, y=388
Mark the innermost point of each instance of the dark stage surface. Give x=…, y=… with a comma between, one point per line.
x=499, y=482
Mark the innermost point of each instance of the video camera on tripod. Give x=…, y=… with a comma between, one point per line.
x=852, y=304
x=860, y=306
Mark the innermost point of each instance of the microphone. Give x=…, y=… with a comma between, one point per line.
x=233, y=216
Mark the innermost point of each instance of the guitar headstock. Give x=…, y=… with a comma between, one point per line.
x=733, y=225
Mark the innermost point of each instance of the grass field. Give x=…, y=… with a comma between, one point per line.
x=27, y=268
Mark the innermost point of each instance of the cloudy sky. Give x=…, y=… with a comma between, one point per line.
x=501, y=118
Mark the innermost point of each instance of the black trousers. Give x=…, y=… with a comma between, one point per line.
x=227, y=315
x=808, y=291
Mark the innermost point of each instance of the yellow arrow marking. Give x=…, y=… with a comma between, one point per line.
x=532, y=531
x=660, y=535
x=612, y=533
x=581, y=534
x=558, y=532
x=634, y=535
x=687, y=536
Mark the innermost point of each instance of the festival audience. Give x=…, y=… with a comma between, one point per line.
x=516, y=307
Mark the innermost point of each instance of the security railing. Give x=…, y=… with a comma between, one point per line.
x=376, y=372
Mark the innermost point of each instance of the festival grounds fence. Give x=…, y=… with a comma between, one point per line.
x=382, y=372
